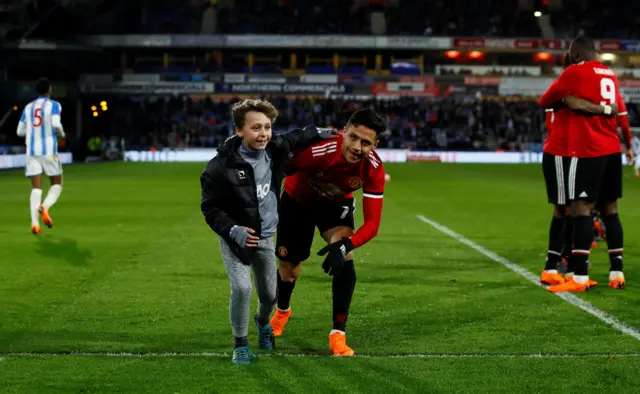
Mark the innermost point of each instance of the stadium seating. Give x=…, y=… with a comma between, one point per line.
x=445, y=123
x=566, y=18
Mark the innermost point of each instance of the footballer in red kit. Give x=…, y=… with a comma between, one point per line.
x=320, y=194
x=595, y=169
x=555, y=166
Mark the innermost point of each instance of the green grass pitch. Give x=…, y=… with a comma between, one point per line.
x=131, y=267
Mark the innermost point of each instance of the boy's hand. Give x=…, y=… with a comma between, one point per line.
x=243, y=237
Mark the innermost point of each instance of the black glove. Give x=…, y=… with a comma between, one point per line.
x=337, y=253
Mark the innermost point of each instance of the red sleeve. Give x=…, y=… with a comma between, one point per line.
x=623, y=120
x=560, y=88
x=372, y=193
x=548, y=121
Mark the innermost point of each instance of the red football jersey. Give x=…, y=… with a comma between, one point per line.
x=589, y=135
x=557, y=142
x=321, y=173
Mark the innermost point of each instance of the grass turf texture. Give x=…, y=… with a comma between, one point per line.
x=130, y=266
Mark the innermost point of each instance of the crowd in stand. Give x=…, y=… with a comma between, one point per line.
x=461, y=123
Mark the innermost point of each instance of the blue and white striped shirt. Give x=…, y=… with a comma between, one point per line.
x=635, y=143
x=40, y=124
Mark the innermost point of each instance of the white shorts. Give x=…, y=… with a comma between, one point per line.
x=49, y=164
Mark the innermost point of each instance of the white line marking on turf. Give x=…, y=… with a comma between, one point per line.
x=568, y=297
x=381, y=356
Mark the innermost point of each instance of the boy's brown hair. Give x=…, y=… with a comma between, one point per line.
x=240, y=109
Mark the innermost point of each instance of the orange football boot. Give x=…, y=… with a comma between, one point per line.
x=617, y=283
x=548, y=278
x=279, y=320
x=44, y=213
x=573, y=286
x=35, y=229
x=338, y=345
x=591, y=282
x=616, y=280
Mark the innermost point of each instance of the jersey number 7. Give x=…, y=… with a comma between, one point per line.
x=38, y=117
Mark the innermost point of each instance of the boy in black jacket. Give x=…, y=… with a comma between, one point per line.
x=240, y=197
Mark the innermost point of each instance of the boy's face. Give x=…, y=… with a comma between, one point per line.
x=358, y=142
x=256, y=132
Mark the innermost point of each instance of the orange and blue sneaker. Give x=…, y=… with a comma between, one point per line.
x=573, y=286
x=46, y=218
x=279, y=320
x=35, y=229
x=616, y=280
x=338, y=344
x=551, y=278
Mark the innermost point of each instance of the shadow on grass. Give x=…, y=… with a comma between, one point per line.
x=63, y=249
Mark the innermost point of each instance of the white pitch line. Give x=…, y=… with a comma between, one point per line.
x=372, y=356
x=568, y=297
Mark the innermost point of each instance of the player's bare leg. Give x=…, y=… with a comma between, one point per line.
x=615, y=242
x=34, y=203
x=582, y=238
x=52, y=196
x=343, y=286
x=550, y=275
x=288, y=273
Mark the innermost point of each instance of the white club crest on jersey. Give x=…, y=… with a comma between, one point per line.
x=263, y=190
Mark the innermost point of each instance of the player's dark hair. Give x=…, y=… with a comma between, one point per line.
x=585, y=44
x=567, y=60
x=240, y=109
x=368, y=119
x=43, y=85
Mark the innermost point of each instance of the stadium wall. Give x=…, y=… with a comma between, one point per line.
x=20, y=161
x=387, y=156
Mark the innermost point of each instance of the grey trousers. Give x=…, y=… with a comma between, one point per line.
x=264, y=270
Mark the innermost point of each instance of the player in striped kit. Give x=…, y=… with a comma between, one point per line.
x=40, y=125
x=636, y=151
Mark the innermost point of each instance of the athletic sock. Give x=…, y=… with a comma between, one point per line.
x=343, y=286
x=34, y=205
x=241, y=341
x=568, y=242
x=52, y=196
x=556, y=241
x=615, y=239
x=582, y=238
x=285, y=289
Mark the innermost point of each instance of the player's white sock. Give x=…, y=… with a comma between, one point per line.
x=34, y=204
x=582, y=279
x=637, y=166
x=52, y=196
x=615, y=275
x=334, y=331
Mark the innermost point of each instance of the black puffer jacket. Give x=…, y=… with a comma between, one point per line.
x=229, y=195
